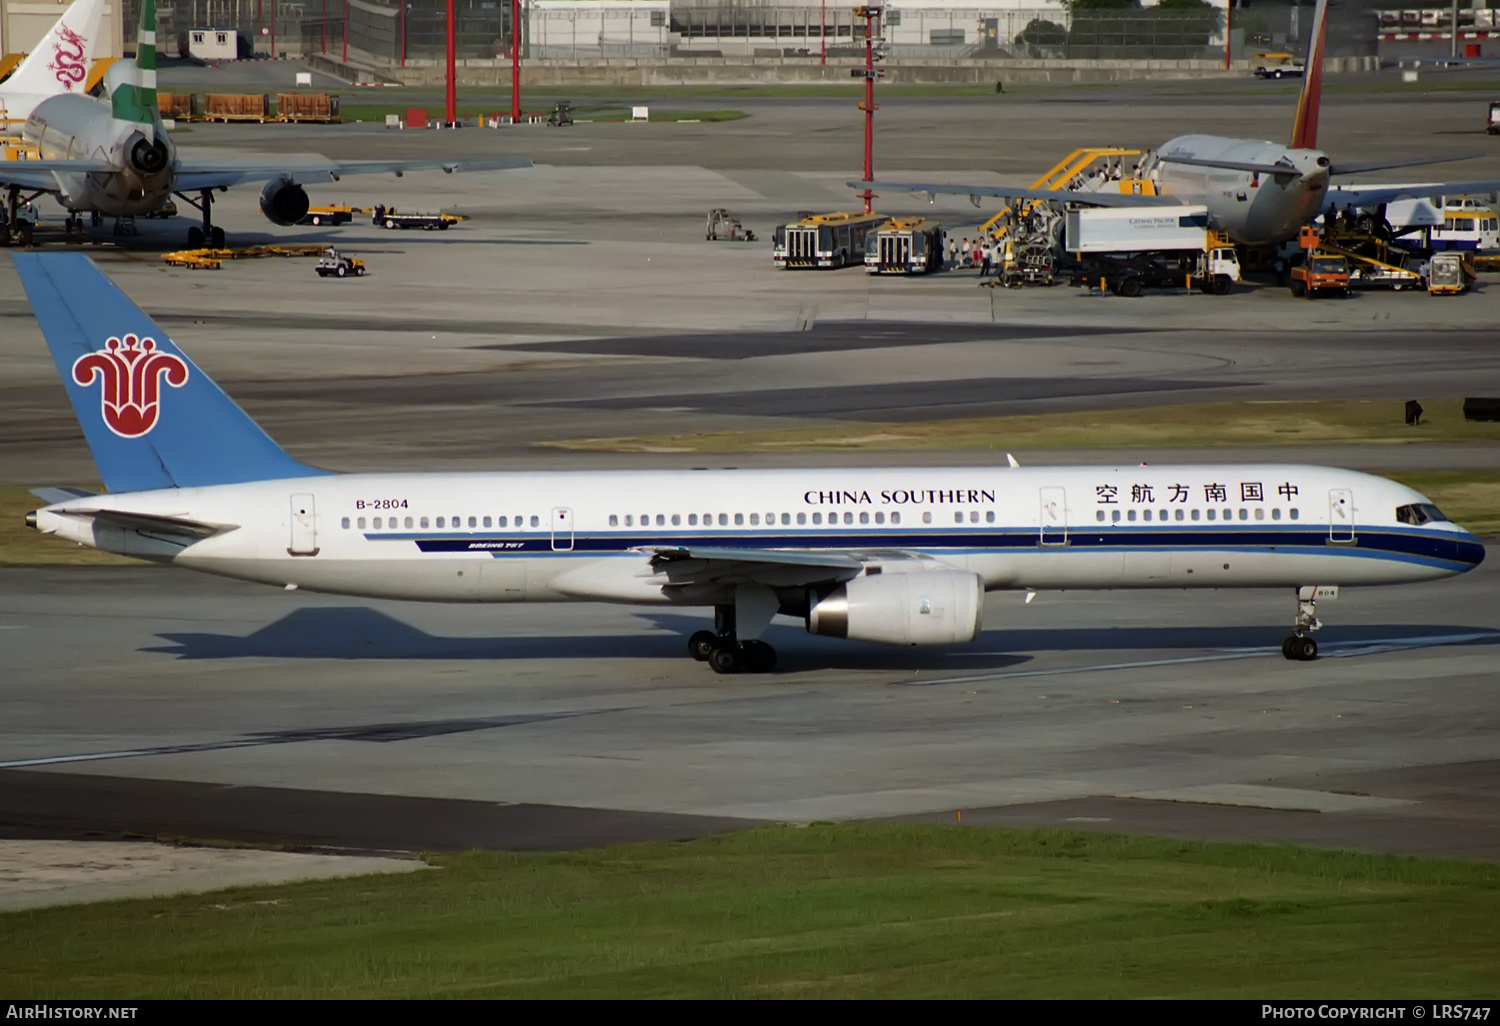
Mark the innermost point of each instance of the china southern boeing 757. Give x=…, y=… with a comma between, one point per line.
x=1257, y=192
x=900, y=556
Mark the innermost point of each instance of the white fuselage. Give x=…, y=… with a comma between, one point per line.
x=1253, y=208
x=568, y=535
x=82, y=128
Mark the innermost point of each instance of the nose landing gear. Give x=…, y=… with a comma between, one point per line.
x=1299, y=647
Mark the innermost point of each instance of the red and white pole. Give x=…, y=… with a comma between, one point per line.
x=452, y=106
x=872, y=33
x=515, y=62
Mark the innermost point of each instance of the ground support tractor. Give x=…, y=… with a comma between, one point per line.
x=723, y=225
x=334, y=264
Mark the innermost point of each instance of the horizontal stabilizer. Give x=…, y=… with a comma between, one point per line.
x=1232, y=165
x=1352, y=168
x=52, y=496
x=1019, y=192
x=150, y=522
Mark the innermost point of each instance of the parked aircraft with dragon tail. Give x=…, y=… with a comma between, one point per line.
x=116, y=159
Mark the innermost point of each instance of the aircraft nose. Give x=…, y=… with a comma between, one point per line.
x=1468, y=550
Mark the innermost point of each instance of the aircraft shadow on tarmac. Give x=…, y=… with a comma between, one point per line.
x=361, y=633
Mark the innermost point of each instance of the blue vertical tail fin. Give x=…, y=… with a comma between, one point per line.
x=151, y=418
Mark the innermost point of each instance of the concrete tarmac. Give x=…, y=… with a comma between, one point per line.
x=160, y=675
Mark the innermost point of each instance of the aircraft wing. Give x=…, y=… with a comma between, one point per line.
x=192, y=176
x=1374, y=195
x=1014, y=192
x=685, y=565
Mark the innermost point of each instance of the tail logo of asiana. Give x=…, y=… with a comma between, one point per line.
x=131, y=372
x=67, y=62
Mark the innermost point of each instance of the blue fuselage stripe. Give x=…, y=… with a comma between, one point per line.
x=1434, y=548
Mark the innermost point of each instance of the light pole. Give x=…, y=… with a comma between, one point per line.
x=452, y=105
x=872, y=32
x=823, y=36
x=515, y=62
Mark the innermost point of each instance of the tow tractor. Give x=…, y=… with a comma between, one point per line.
x=388, y=217
x=334, y=263
x=723, y=225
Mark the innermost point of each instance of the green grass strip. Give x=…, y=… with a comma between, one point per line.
x=830, y=911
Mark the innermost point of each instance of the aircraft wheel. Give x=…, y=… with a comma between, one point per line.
x=1286, y=646
x=725, y=659
x=195, y=238
x=701, y=645
x=759, y=657
x=1305, y=649
x=216, y=235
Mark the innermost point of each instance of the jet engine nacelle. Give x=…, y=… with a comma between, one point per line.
x=283, y=201
x=148, y=157
x=928, y=607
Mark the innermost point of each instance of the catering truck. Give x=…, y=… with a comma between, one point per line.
x=1128, y=249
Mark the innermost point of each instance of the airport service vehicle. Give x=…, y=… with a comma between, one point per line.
x=1280, y=65
x=115, y=158
x=1319, y=274
x=825, y=240
x=1257, y=192
x=58, y=66
x=1466, y=226
x=873, y=554
x=1446, y=274
x=1129, y=249
x=1492, y=119
x=722, y=225
x=334, y=264
x=906, y=245
x=387, y=217
x=334, y=215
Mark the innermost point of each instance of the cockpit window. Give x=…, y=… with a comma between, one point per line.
x=1419, y=513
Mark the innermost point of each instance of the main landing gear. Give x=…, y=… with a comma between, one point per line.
x=1299, y=646
x=208, y=235
x=722, y=650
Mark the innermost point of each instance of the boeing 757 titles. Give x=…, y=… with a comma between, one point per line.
x=1259, y=193
x=899, y=556
x=115, y=158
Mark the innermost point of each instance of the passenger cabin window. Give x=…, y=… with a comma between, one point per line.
x=676, y=519
x=535, y=520
x=361, y=523
x=848, y=518
x=723, y=519
x=500, y=521
x=754, y=519
x=739, y=520
x=1114, y=516
x=1099, y=515
x=439, y=522
x=801, y=518
x=346, y=523
x=895, y=518
x=1292, y=513
x=614, y=520
x=486, y=521
x=408, y=523
x=786, y=519
x=817, y=518
x=927, y=516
